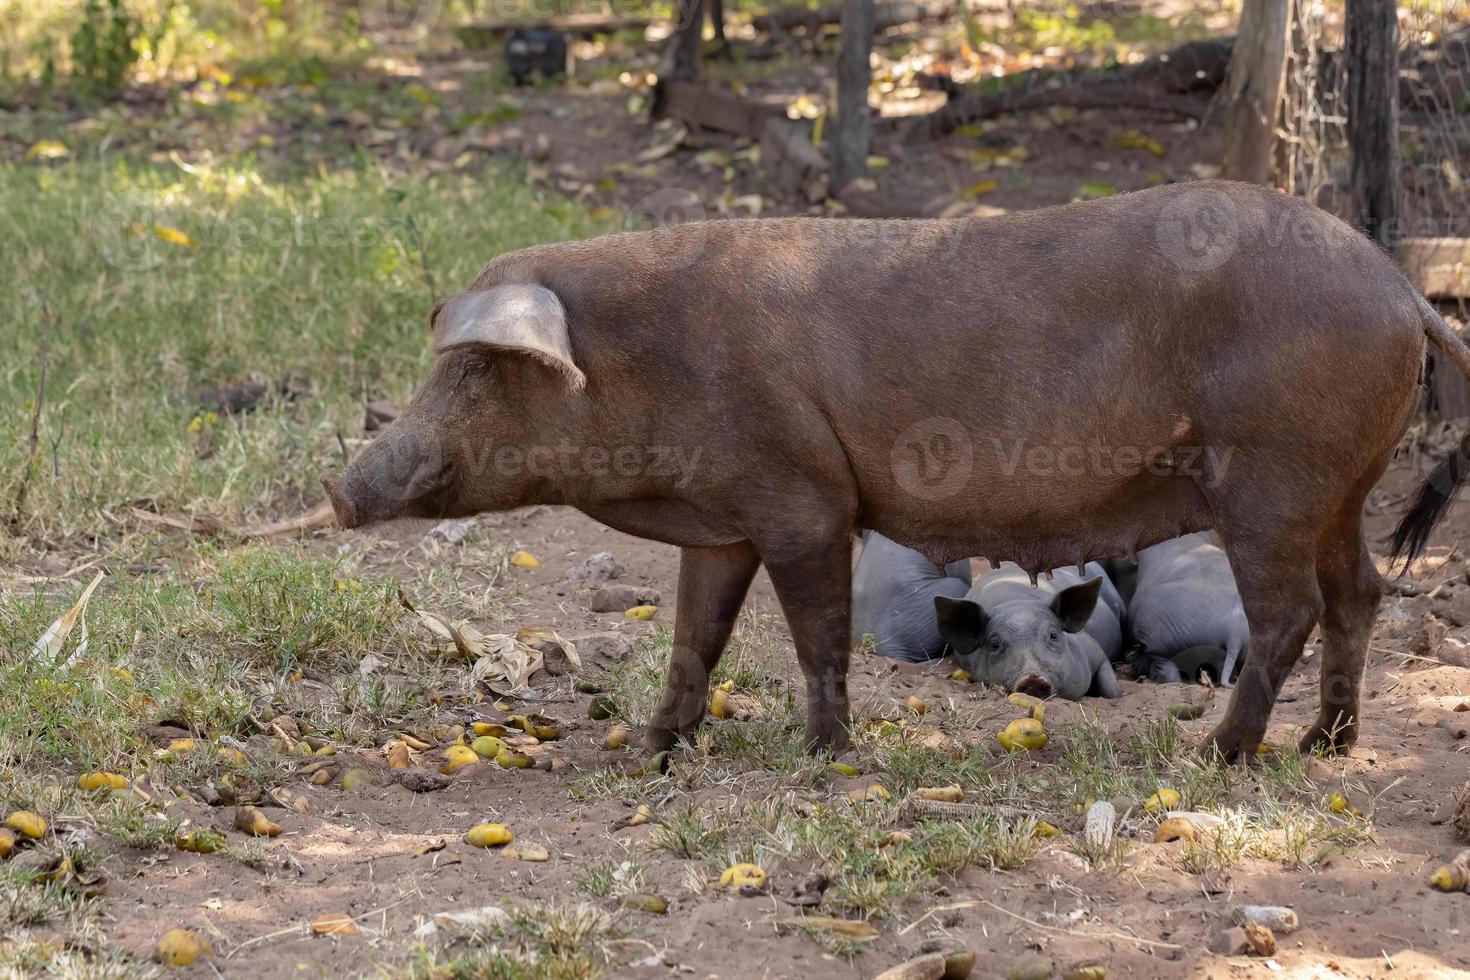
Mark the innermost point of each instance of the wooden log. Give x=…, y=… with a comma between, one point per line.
x=707, y=107
x=970, y=108
x=885, y=15
x=1438, y=267
x=482, y=34
x=852, y=129
x=1254, y=88
x=1371, y=53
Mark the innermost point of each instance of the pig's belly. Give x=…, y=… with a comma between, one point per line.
x=1041, y=526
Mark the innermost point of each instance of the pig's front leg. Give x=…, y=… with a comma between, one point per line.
x=1104, y=681
x=813, y=581
x=712, y=587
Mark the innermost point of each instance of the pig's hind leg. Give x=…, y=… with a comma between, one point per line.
x=712, y=587
x=1350, y=590
x=1270, y=539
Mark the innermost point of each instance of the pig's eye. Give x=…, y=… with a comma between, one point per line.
x=1053, y=636
x=995, y=644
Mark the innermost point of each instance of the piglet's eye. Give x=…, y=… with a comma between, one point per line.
x=995, y=643
x=1053, y=636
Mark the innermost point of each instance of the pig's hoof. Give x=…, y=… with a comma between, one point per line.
x=831, y=744
x=1232, y=744
x=657, y=740
x=1321, y=739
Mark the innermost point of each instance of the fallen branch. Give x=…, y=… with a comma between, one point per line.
x=204, y=524
x=1077, y=95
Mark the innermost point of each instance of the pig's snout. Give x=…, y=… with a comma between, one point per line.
x=1034, y=685
x=342, y=507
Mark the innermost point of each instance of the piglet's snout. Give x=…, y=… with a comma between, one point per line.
x=1034, y=685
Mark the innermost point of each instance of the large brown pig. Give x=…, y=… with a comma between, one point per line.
x=1048, y=387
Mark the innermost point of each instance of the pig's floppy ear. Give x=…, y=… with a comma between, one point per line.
x=517, y=317
x=961, y=623
x=1073, y=607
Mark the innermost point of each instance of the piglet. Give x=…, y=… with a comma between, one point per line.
x=893, y=592
x=1053, y=639
x=1185, y=615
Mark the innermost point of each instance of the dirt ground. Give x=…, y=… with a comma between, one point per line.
x=1366, y=912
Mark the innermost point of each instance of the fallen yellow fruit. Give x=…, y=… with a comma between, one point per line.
x=844, y=769
x=1023, y=733
x=915, y=705
x=27, y=824
x=719, y=704
x=524, y=559
x=1035, y=706
x=7, y=842
x=180, y=947
x=525, y=852
x=398, y=757
x=617, y=738
x=1340, y=804
x=355, y=779
x=743, y=876
x=487, y=728
x=1449, y=878
x=487, y=746
x=960, y=675
x=867, y=793
x=641, y=815
x=642, y=613
x=509, y=758
x=941, y=794
x=645, y=903
x=456, y=757
x=101, y=780
x=257, y=824
x=1045, y=830
x=488, y=835
x=200, y=842
x=897, y=837
x=1164, y=799
x=334, y=924
x=1175, y=828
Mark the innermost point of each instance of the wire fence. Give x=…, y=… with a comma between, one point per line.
x=1434, y=114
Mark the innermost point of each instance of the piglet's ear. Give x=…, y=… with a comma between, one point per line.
x=961, y=623
x=1074, y=606
x=520, y=318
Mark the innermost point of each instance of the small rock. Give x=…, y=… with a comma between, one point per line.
x=452, y=531
x=598, y=569
x=1278, y=918
x=1231, y=942
x=603, y=648
x=1262, y=940
x=618, y=598
x=419, y=780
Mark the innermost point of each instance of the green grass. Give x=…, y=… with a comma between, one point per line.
x=317, y=280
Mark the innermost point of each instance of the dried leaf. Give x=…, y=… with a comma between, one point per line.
x=53, y=641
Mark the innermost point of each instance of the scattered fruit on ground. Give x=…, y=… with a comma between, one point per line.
x=1023, y=733
x=488, y=835
x=27, y=824
x=743, y=876
x=181, y=947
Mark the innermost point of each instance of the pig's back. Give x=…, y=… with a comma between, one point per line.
x=1186, y=597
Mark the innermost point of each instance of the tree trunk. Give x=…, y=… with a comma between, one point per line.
x=1254, y=89
x=679, y=61
x=1371, y=53
x=717, y=21
x=852, y=129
